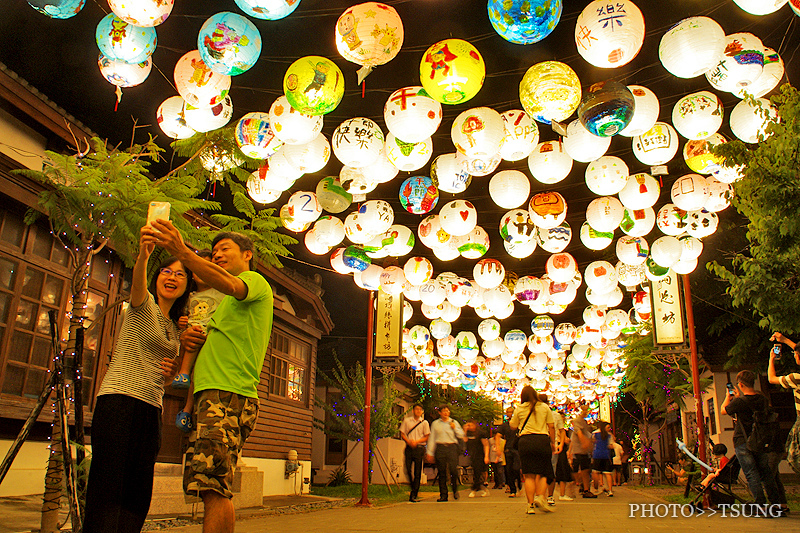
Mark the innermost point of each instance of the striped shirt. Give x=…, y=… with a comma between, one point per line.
x=792, y=381
x=146, y=338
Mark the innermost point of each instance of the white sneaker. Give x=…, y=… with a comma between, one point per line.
x=565, y=499
x=531, y=509
x=484, y=493
x=472, y=494
x=551, y=501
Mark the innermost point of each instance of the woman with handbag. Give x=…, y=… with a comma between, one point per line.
x=533, y=420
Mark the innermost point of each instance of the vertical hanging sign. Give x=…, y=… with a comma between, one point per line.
x=388, y=330
x=668, y=318
x=605, y=409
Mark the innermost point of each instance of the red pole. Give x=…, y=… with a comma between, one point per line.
x=364, y=501
x=698, y=398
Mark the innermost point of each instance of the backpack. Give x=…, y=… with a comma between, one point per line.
x=763, y=433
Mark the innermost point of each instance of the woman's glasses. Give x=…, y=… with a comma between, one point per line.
x=180, y=274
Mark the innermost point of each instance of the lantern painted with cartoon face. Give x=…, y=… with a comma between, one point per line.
x=431, y=233
x=313, y=85
x=475, y=244
x=369, y=34
x=561, y=267
x=229, y=43
x=123, y=41
x=452, y=71
x=197, y=84
x=547, y=209
x=478, y=132
x=600, y=276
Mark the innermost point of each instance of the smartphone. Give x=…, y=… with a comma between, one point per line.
x=729, y=386
x=776, y=349
x=158, y=210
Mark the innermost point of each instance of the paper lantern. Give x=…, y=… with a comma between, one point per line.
x=654, y=271
x=145, y=13
x=124, y=74
x=329, y=230
x=123, y=41
x=719, y=195
x=497, y=298
x=393, y=280
x=740, y=65
x=509, y=188
x=332, y=196
x=697, y=115
x=304, y=207
x=641, y=190
x=356, y=181
x=337, y=262
x=460, y=292
x=605, y=213
x=529, y=289
x=488, y=273
x=549, y=162
x=692, y=247
x=431, y=233
x=666, y=251
x=479, y=166
x=515, y=341
x=684, y=266
x=290, y=125
x=594, y=316
x=407, y=156
x=689, y=192
x=432, y=292
x=698, y=156
x=449, y=175
x=671, y=220
x=313, y=85
x=701, y=223
x=209, y=118
x=609, y=35
x=606, y=108
x=309, y=157
x=418, y=195
x=357, y=230
x=549, y=91
x=317, y=247
x=447, y=252
x=259, y=190
x=418, y=270
x=600, y=276
x=419, y=335
x=524, y=21
x=452, y=71
x=637, y=222
x=645, y=113
x=440, y=328
x=554, y=240
x=489, y=330
x=547, y=209
x=370, y=35
x=520, y=135
x=474, y=245
x=198, y=84
x=398, y=241
x=516, y=227
x=561, y=267
x=630, y=275
x=632, y=250
x=691, y=47
x=58, y=9
x=411, y=114
x=289, y=222
x=447, y=346
x=377, y=214
x=478, y=132
x=606, y=175
x=565, y=333
x=229, y=43
x=594, y=239
x=254, y=136
x=357, y=142
x=458, y=217
x=542, y=326
x=749, y=121
x=729, y=174
x=582, y=145
x=760, y=7
x=770, y=77
x=268, y=9
x=656, y=146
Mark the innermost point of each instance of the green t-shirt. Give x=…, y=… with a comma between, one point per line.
x=238, y=334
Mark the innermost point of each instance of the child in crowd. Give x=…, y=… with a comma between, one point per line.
x=200, y=307
x=720, y=454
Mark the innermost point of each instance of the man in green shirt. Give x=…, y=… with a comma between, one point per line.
x=227, y=369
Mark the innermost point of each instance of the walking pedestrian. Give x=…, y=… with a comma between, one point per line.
x=478, y=450
x=580, y=449
x=415, y=431
x=602, y=468
x=444, y=447
x=497, y=445
x=513, y=474
x=537, y=441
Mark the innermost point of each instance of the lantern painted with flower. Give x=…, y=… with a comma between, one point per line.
x=509, y=188
x=58, y=9
x=609, y=34
x=547, y=209
x=229, y=43
x=691, y=47
x=549, y=162
x=478, y=132
x=524, y=21
x=313, y=85
x=124, y=74
x=549, y=91
x=268, y=9
x=607, y=108
x=452, y=71
x=145, y=13
x=290, y=125
x=697, y=115
x=370, y=35
x=740, y=65
x=656, y=146
x=122, y=41
x=357, y=142
x=418, y=195
x=411, y=114
x=606, y=175
x=645, y=113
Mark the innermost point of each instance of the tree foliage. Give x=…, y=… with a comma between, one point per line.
x=766, y=275
x=464, y=405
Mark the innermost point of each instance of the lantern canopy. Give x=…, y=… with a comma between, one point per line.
x=452, y=71
x=120, y=40
x=549, y=91
x=607, y=108
x=370, y=35
x=313, y=85
x=609, y=35
x=229, y=43
x=524, y=21
x=691, y=47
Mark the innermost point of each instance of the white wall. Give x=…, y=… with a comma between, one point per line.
x=26, y=475
x=275, y=484
x=21, y=143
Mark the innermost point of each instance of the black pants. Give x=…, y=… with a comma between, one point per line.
x=414, y=457
x=447, y=465
x=126, y=437
x=478, y=469
x=513, y=478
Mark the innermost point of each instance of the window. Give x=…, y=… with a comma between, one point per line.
x=288, y=367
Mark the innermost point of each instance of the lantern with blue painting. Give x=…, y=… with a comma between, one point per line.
x=740, y=65
x=122, y=41
x=58, y=9
x=452, y=71
x=549, y=91
x=229, y=43
x=313, y=85
x=268, y=9
x=606, y=108
x=542, y=325
x=355, y=258
x=524, y=21
x=254, y=136
x=124, y=74
x=146, y=13
x=418, y=195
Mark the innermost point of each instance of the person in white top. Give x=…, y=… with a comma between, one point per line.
x=617, y=461
x=443, y=447
x=415, y=430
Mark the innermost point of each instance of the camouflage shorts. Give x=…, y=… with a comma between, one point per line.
x=224, y=421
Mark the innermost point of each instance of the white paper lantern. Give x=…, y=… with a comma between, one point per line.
x=606, y=175
x=770, y=77
x=600, y=276
x=689, y=192
x=393, y=280
x=691, y=47
x=493, y=348
x=516, y=226
x=411, y=115
x=727, y=174
x=697, y=115
x=144, y=13
x=565, y=333
x=509, y=188
x=489, y=330
x=479, y=166
x=197, y=84
x=692, y=247
x=309, y=157
x=332, y=196
x=549, y=162
x=520, y=250
x=582, y=145
x=378, y=214
x=204, y=119
x=605, y=213
x=440, y=328
x=170, y=118
x=750, y=121
x=632, y=250
x=450, y=312
x=432, y=292
x=638, y=222
x=656, y=146
x=671, y=219
x=640, y=191
x=594, y=316
x=292, y=224
x=370, y=278
x=701, y=223
x=497, y=298
x=259, y=191
x=609, y=35
x=488, y=273
x=317, y=247
x=329, y=230
x=290, y=125
x=369, y=34
x=478, y=132
x=645, y=113
x=123, y=74
x=304, y=206
x=719, y=195
x=407, y=156
x=515, y=341
x=554, y=240
x=357, y=142
x=547, y=209
x=760, y=7
x=561, y=267
x=337, y=262
x=666, y=251
x=475, y=244
x=449, y=175
x=458, y=217
x=630, y=276
x=520, y=135
x=358, y=231
x=740, y=65
x=447, y=346
x=419, y=335
x=593, y=239
x=431, y=233
x=418, y=270
x=684, y=266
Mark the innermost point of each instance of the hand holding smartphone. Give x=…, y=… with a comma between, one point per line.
x=776, y=350
x=157, y=211
x=730, y=388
